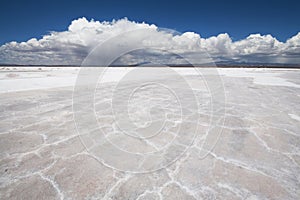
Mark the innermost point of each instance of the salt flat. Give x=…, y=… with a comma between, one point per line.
x=242, y=144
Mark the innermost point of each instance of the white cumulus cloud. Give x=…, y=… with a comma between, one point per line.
x=82, y=36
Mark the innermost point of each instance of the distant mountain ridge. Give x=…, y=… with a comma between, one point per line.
x=218, y=64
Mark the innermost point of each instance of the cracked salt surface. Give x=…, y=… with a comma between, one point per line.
x=296, y=117
x=256, y=157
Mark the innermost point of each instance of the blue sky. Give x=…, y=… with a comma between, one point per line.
x=22, y=20
x=65, y=32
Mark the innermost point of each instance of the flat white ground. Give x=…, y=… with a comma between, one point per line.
x=45, y=155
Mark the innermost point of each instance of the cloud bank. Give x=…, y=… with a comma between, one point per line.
x=70, y=47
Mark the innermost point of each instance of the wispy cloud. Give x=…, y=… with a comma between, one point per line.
x=73, y=45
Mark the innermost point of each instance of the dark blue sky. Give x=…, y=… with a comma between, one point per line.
x=22, y=20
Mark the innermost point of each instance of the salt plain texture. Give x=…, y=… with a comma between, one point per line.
x=256, y=156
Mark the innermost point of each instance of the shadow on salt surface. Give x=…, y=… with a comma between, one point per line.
x=35, y=78
x=260, y=76
x=31, y=78
x=64, y=77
